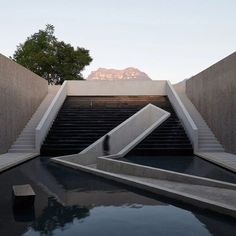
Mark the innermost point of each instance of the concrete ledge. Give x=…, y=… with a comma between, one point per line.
x=9, y=160
x=121, y=167
x=183, y=197
x=224, y=159
x=116, y=87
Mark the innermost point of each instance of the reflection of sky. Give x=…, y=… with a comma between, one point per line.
x=166, y=39
x=146, y=220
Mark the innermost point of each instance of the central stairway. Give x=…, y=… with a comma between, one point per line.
x=83, y=120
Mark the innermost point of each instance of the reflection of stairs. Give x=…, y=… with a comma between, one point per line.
x=207, y=141
x=25, y=143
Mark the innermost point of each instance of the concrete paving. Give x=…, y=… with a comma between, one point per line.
x=223, y=159
x=9, y=160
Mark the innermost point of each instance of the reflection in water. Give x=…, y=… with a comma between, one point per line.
x=56, y=216
x=192, y=165
x=23, y=215
x=70, y=202
x=116, y=221
x=142, y=221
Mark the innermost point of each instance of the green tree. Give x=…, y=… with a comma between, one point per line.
x=50, y=58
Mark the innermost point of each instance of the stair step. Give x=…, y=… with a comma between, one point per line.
x=87, y=125
x=162, y=151
x=21, y=150
x=209, y=142
x=27, y=142
x=167, y=145
x=22, y=146
x=71, y=133
x=211, y=150
x=68, y=142
x=23, y=135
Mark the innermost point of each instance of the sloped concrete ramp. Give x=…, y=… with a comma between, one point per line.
x=218, y=199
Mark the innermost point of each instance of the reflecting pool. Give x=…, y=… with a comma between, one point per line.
x=70, y=202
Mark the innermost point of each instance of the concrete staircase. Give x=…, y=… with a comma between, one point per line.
x=83, y=120
x=25, y=142
x=207, y=142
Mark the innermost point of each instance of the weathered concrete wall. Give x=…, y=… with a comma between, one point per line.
x=21, y=92
x=213, y=92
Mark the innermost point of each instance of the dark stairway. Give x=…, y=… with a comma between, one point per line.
x=168, y=139
x=80, y=122
x=83, y=120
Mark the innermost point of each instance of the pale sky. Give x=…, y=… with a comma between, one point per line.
x=167, y=39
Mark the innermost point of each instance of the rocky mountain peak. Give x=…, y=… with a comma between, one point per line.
x=129, y=73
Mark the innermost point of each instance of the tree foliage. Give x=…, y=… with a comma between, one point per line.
x=50, y=58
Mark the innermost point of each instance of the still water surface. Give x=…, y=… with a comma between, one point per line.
x=70, y=202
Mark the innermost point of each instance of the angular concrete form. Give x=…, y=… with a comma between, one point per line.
x=23, y=196
x=9, y=160
x=201, y=192
x=124, y=137
x=128, y=134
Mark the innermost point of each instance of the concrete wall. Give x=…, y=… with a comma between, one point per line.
x=21, y=92
x=126, y=87
x=213, y=92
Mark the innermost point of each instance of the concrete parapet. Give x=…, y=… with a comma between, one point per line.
x=200, y=198
x=116, y=88
x=121, y=167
